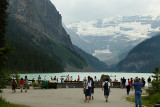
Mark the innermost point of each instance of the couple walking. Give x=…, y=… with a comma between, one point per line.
x=89, y=89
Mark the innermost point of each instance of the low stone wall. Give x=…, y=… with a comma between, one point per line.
x=80, y=85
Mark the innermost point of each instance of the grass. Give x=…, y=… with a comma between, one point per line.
x=4, y=103
x=145, y=100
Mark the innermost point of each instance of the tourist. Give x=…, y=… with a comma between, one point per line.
x=84, y=82
x=21, y=84
x=62, y=79
x=71, y=78
x=84, y=88
x=55, y=78
x=39, y=79
x=26, y=83
x=45, y=78
x=88, y=87
x=137, y=86
x=128, y=84
x=14, y=85
x=92, y=89
x=132, y=81
x=123, y=82
x=78, y=78
x=106, y=88
x=95, y=78
x=144, y=82
x=68, y=77
x=149, y=81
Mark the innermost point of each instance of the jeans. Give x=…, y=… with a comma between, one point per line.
x=138, y=97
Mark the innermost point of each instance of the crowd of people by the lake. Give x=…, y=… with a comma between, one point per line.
x=137, y=84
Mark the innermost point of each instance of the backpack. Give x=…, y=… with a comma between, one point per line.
x=106, y=86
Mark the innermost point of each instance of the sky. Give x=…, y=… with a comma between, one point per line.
x=86, y=10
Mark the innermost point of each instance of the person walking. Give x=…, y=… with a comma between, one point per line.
x=88, y=87
x=84, y=88
x=92, y=89
x=45, y=78
x=149, y=81
x=21, y=84
x=137, y=86
x=26, y=83
x=132, y=81
x=128, y=84
x=123, y=82
x=144, y=82
x=14, y=85
x=106, y=88
x=78, y=78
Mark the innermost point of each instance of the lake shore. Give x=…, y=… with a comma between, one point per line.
x=66, y=97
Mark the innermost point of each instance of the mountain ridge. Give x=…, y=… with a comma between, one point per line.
x=40, y=34
x=143, y=58
x=109, y=38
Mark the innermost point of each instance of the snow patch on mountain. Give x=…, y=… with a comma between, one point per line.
x=132, y=30
x=106, y=51
x=110, y=39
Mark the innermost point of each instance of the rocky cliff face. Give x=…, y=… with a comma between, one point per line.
x=42, y=16
x=35, y=29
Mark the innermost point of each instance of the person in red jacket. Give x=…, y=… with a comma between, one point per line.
x=21, y=84
x=14, y=85
x=128, y=86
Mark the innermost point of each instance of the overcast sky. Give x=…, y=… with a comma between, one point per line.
x=84, y=10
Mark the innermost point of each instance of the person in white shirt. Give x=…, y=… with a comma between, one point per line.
x=45, y=78
x=88, y=87
x=106, y=88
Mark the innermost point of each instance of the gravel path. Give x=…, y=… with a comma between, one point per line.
x=68, y=97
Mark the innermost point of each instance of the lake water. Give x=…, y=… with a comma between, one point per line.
x=112, y=75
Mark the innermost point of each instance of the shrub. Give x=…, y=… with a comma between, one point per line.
x=35, y=84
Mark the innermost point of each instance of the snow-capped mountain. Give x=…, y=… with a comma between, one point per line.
x=112, y=38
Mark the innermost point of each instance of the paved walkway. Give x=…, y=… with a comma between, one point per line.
x=68, y=97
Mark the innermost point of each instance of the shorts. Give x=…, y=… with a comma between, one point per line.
x=13, y=87
x=25, y=85
x=106, y=92
x=88, y=92
x=21, y=86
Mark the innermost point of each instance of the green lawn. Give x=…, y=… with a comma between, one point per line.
x=145, y=100
x=4, y=103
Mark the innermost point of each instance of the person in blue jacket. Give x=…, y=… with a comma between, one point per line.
x=137, y=86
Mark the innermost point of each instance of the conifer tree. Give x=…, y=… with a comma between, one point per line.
x=3, y=47
x=155, y=88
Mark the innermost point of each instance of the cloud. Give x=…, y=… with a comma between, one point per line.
x=78, y=10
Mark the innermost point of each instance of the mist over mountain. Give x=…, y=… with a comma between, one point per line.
x=143, y=58
x=112, y=38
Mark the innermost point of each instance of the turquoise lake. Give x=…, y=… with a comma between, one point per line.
x=112, y=75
